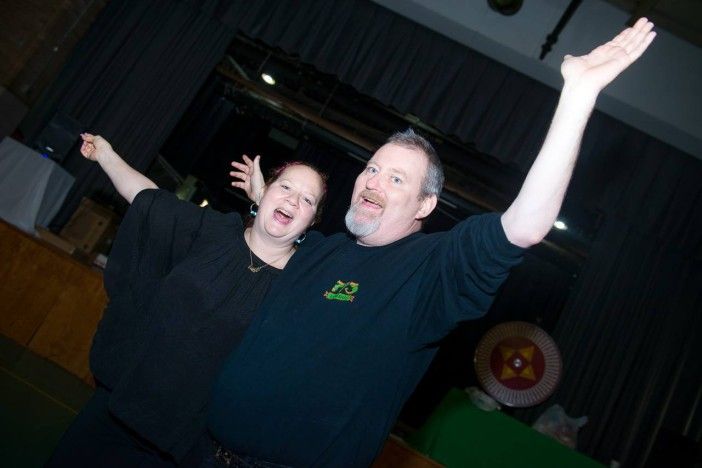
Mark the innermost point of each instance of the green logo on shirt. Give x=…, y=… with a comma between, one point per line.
x=342, y=291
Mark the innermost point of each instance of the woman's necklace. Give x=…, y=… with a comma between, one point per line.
x=252, y=268
x=255, y=269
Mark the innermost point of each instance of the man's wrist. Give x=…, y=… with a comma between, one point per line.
x=578, y=97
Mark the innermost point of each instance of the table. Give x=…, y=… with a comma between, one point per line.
x=32, y=187
x=458, y=434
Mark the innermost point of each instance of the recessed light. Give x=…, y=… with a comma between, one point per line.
x=268, y=78
x=560, y=225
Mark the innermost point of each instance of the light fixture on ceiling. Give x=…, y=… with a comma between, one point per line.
x=560, y=225
x=505, y=7
x=552, y=38
x=268, y=79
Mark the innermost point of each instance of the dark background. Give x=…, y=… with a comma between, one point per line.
x=619, y=291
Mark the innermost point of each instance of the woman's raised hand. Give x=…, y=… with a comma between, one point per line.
x=250, y=177
x=94, y=147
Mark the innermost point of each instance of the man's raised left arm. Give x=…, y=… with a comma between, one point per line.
x=532, y=214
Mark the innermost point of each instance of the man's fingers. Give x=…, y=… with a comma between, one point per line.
x=257, y=163
x=641, y=22
x=634, y=33
x=622, y=36
x=639, y=42
x=642, y=46
x=638, y=33
x=239, y=175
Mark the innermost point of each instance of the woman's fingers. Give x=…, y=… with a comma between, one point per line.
x=241, y=167
x=87, y=149
x=239, y=175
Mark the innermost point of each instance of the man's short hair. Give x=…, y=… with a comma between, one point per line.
x=434, y=178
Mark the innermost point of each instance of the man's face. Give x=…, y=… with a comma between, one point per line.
x=385, y=205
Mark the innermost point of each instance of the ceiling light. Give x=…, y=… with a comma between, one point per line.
x=204, y=203
x=268, y=78
x=505, y=7
x=560, y=225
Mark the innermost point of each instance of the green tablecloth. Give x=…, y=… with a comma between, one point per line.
x=458, y=434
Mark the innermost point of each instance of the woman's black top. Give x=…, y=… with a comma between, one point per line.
x=181, y=296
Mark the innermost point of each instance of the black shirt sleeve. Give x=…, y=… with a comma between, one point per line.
x=156, y=233
x=471, y=262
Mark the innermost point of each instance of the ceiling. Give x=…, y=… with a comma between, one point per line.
x=667, y=106
x=680, y=17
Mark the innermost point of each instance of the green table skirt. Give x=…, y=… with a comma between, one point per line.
x=458, y=434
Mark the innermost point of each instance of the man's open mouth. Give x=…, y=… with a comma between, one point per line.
x=371, y=201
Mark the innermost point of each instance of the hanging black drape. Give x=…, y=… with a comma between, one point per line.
x=130, y=79
x=629, y=336
x=630, y=331
x=408, y=67
x=627, y=332
x=198, y=127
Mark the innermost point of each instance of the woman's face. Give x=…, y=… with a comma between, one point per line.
x=289, y=203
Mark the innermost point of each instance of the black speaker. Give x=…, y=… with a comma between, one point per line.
x=58, y=137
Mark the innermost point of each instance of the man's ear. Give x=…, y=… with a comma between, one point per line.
x=427, y=206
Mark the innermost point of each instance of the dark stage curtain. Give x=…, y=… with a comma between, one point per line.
x=130, y=79
x=627, y=331
x=198, y=127
x=629, y=338
x=630, y=332
x=410, y=68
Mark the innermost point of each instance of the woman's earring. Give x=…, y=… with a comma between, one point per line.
x=302, y=237
x=253, y=210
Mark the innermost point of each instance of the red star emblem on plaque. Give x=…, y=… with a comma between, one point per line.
x=518, y=364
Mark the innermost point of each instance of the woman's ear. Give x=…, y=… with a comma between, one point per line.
x=260, y=194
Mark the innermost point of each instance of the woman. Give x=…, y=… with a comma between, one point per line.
x=183, y=283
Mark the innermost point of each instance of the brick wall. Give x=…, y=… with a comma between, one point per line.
x=36, y=38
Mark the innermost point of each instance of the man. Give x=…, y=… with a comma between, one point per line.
x=353, y=323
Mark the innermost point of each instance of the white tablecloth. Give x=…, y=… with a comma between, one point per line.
x=32, y=187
